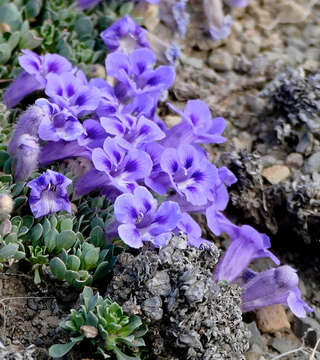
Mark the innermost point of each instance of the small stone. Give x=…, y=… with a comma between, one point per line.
x=89, y=332
x=291, y=12
x=243, y=141
x=294, y=160
x=255, y=338
x=307, y=328
x=267, y=160
x=220, y=60
x=271, y=319
x=192, y=61
x=276, y=173
x=313, y=163
x=234, y=46
x=282, y=345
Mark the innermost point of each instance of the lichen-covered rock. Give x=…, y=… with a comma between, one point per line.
x=189, y=316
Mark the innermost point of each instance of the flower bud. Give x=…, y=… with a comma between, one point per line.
x=5, y=227
x=6, y=204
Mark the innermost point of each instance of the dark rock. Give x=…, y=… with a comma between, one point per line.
x=188, y=315
x=282, y=345
x=307, y=328
x=255, y=338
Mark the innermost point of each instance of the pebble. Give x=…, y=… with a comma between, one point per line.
x=313, y=163
x=294, y=160
x=271, y=319
x=282, y=345
x=243, y=141
x=276, y=173
x=220, y=60
x=255, y=338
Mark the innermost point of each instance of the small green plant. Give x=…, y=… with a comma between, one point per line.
x=85, y=264
x=102, y=322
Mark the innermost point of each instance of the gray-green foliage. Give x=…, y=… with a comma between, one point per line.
x=104, y=324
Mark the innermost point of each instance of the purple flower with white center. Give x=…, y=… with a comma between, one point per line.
x=247, y=245
x=142, y=220
x=190, y=173
x=58, y=123
x=197, y=126
x=274, y=286
x=36, y=69
x=123, y=167
x=219, y=25
x=49, y=194
x=135, y=74
x=26, y=157
x=193, y=231
x=124, y=35
x=72, y=91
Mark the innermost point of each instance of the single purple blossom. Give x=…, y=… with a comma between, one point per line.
x=123, y=167
x=274, y=286
x=247, y=245
x=58, y=123
x=142, y=220
x=135, y=74
x=49, y=194
x=219, y=25
x=190, y=173
x=124, y=35
x=72, y=92
x=197, y=126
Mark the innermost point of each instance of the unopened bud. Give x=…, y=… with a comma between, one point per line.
x=5, y=227
x=6, y=204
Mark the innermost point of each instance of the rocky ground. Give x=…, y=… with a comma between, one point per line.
x=263, y=80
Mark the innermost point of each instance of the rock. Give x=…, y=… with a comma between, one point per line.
x=220, y=60
x=313, y=163
x=294, y=160
x=267, y=160
x=291, y=12
x=192, y=61
x=282, y=345
x=255, y=338
x=276, y=173
x=271, y=319
x=301, y=327
x=243, y=141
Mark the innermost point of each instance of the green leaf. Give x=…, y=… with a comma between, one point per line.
x=33, y=8
x=66, y=224
x=4, y=156
x=10, y=15
x=91, y=258
x=20, y=201
x=14, y=40
x=70, y=276
x=8, y=250
x=11, y=238
x=92, y=319
x=29, y=40
x=28, y=221
x=53, y=221
x=86, y=296
x=65, y=240
x=50, y=240
x=59, y=350
x=5, y=53
x=58, y=268
x=46, y=227
x=134, y=323
x=16, y=221
x=121, y=356
x=97, y=236
x=17, y=189
x=102, y=270
x=36, y=233
x=73, y=263
x=23, y=230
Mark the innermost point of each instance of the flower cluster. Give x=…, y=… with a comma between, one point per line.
x=156, y=176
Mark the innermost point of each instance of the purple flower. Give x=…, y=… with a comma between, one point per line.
x=49, y=194
x=84, y=4
x=274, y=286
x=190, y=173
x=58, y=123
x=58, y=150
x=36, y=68
x=142, y=220
x=73, y=92
x=192, y=229
x=219, y=25
x=122, y=167
x=94, y=134
x=135, y=74
x=124, y=35
x=197, y=126
x=247, y=245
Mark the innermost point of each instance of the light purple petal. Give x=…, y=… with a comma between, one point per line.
x=125, y=209
x=130, y=235
x=100, y=160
